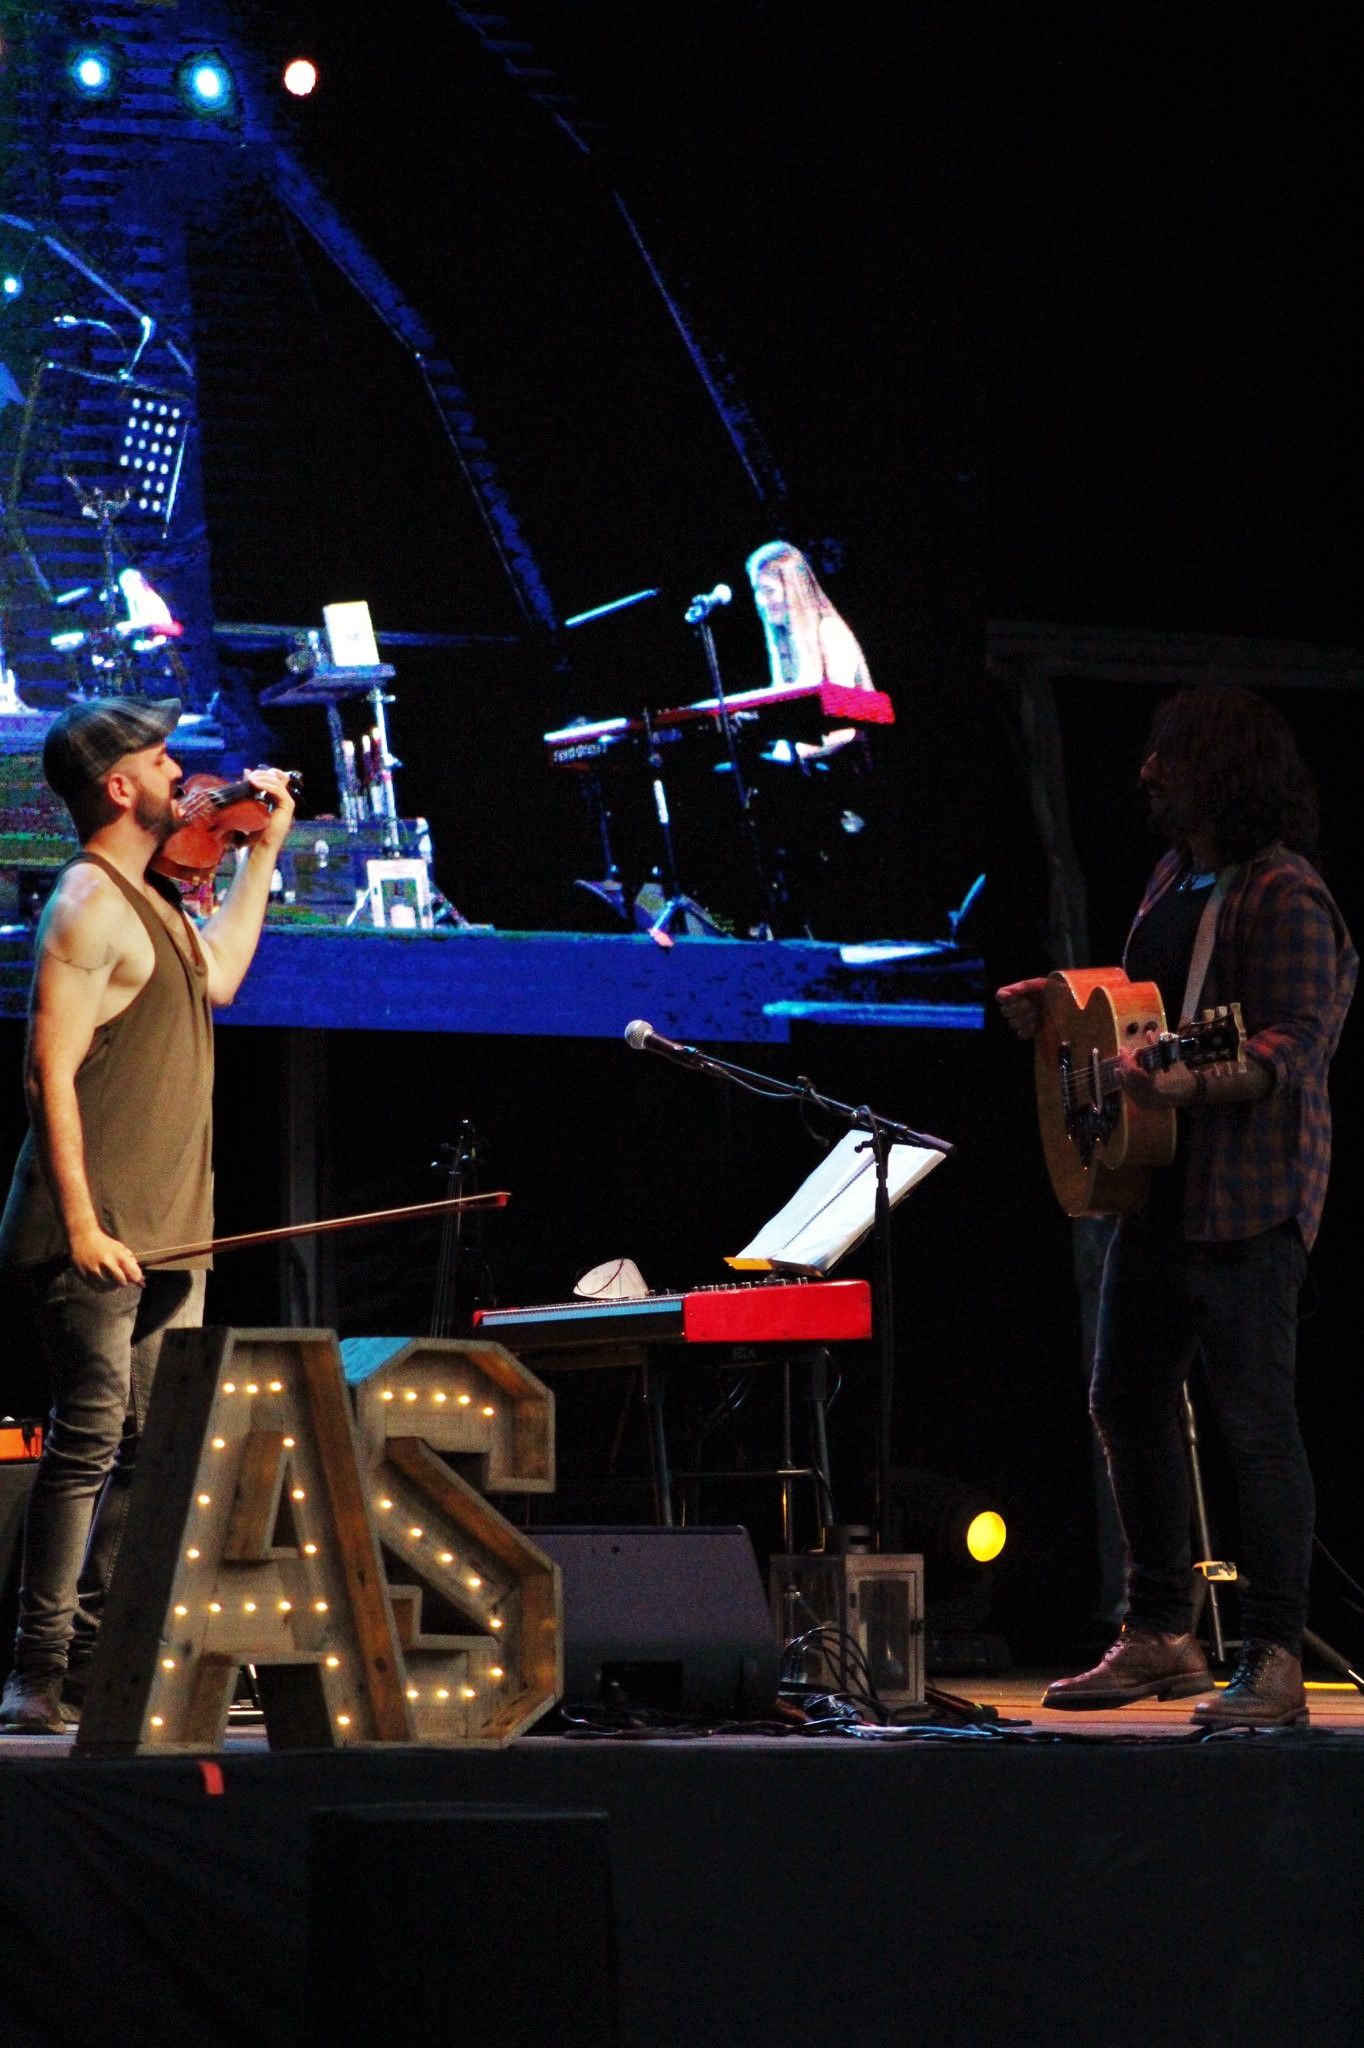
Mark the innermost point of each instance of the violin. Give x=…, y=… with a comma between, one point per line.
x=215, y=816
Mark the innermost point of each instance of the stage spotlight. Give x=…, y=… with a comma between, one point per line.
x=959, y=1533
x=985, y=1536
x=11, y=285
x=955, y=1524
x=92, y=71
x=207, y=84
x=300, y=77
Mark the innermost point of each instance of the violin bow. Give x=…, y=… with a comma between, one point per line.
x=247, y=1238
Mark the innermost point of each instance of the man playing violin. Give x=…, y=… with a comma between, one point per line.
x=119, y=1080
x=1216, y=1258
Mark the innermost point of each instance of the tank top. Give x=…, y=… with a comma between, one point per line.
x=145, y=1091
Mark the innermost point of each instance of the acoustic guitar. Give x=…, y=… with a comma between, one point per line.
x=1100, y=1146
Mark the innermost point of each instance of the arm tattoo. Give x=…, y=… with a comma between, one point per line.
x=86, y=965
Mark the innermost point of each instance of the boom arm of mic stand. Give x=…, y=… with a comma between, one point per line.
x=802, y=1090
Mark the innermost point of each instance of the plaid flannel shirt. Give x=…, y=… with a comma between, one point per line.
x=1282, y=951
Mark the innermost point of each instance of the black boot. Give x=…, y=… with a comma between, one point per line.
x=1265, y=1691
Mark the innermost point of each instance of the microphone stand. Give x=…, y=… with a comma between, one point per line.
x=107, y=649
x=882, y=1133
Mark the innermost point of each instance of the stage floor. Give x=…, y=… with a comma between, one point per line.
x=1337, y=1710
x=1088, y=1880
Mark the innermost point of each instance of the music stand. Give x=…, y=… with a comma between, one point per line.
x=849, y=1195
x=832, y=1210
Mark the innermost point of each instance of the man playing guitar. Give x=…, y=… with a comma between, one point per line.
x=1214, y=1259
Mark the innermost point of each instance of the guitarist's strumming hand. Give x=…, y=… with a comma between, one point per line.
x=1020, y=1005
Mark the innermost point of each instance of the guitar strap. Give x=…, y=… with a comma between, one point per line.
x=1202, y=947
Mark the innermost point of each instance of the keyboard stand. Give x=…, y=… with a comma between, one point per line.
x=653, y=1382
x=787, y=1472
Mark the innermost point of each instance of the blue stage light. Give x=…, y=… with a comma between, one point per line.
x=92, y=71
x=207, y=84
x=11, y=285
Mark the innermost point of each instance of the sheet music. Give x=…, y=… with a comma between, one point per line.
x=834, y=1207
x=350, y=635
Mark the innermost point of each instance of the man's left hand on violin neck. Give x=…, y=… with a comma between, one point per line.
x=277, y=785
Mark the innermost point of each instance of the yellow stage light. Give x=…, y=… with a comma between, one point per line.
x=985, y=1536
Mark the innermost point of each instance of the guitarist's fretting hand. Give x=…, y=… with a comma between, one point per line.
x=1167, y=1088
x=1210, y=1087
x=1020, y=1005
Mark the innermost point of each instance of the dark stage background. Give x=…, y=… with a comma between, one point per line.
x=1036, y=317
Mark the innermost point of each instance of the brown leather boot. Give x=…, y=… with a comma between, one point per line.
x=1143, y=1664
x=32, y=1704
x=1264, y=1691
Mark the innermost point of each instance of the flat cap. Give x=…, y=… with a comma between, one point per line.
x=86, y=739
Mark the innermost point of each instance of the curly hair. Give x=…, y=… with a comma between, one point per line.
x=1248, y=778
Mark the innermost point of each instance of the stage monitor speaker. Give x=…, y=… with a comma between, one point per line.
x=670, y=1618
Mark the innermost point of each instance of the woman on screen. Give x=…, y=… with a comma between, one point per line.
x=808, y=643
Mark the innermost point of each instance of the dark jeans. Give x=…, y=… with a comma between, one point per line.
x=1163, y=1300
x=101, y=1348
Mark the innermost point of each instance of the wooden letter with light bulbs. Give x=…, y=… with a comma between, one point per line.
x=253, y=1538
x=494, y=1661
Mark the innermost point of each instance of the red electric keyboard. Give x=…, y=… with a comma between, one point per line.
x=769, y=1317
x=774, y=1313
x=819, y=706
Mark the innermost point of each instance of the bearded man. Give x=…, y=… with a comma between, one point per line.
x=1215, y=1261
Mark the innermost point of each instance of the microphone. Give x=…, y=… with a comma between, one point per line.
x=701, y=607
x=641, y=1037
